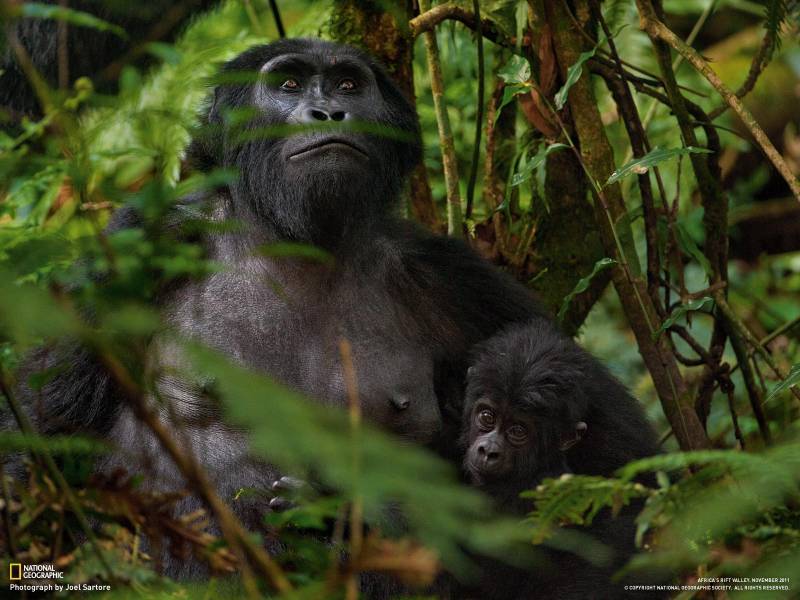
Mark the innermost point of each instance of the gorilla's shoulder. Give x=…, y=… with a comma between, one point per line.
x=454, y=277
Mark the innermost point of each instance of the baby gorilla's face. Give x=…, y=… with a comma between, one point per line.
x=501, y=441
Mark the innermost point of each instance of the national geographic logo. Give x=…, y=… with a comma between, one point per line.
x=18, y=571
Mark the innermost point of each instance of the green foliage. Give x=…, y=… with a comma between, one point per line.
x=791, y=380
x=573, y=74
x=583, y=284
x=680, y=311
x=576, y=500
x=656, y=156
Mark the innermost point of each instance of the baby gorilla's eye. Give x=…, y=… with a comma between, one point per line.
x=517, y=434
x=290, y=84
x=486, y=419
x=346, y=85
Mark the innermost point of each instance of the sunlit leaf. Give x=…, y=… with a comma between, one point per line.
x=639, y=166
x=516, y=70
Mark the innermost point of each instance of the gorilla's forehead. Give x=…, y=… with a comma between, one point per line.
x=320, y=51
x=314, y=61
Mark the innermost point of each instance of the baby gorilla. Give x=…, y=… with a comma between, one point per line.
x=537, y=406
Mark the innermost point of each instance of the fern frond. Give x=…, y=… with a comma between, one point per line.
x=576, y=500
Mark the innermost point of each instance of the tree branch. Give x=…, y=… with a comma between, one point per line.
x=431, y=17
x=657, y=30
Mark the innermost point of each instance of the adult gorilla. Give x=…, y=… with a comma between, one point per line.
x=411, y=304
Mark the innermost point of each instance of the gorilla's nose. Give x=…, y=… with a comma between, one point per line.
x=400, y=401
x=312, y=115
x=489, y=453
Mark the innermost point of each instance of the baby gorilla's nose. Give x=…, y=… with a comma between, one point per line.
x=489, y=453
x=400, y=401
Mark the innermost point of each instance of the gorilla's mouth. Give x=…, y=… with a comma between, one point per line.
x=328, y=144
x=481, y=475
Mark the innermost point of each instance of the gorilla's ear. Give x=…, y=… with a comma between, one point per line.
x=470, y=371
x=573, y=437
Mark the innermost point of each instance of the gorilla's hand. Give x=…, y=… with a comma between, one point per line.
x=287, y=489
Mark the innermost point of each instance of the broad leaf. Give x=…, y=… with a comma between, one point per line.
x=516, y=70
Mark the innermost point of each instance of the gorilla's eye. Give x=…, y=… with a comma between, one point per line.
x=486, y=419
x=517, y=434
x=346, y=85
x=290, y=84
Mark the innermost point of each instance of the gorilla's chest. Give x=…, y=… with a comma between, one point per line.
x=290, y=325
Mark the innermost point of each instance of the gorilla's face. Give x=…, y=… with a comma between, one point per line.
x=326, y=141
x=332, y=100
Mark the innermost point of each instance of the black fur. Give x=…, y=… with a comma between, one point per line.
x=536, y=376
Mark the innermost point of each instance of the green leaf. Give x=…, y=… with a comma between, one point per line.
x=688, y=245
x=680, y=311
x=14, y=441
x=510, y=92
x=527, y=168
x=295, y=250
x=640, y=166
x=582, y=285
x=791, y=380
x=36, y=10
x=516, y=70
x=573, y=74
x=27, y=313
x=166, y=52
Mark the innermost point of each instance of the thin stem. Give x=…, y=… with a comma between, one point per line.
x=276, y=15
x=476, y=150
x=449, y=163
x=357, y=507
x=753, y=392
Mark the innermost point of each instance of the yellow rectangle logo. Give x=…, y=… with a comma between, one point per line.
x=15, y=571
